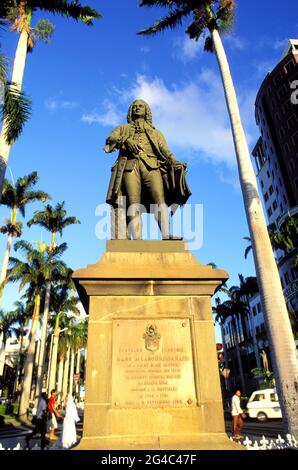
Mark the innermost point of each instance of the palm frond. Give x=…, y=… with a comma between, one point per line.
x=69, y=9
x=173, y=19
x=225, y=15
x=15, y=110
x=209, y=46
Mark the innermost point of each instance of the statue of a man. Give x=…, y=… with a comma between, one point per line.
x=145, y=172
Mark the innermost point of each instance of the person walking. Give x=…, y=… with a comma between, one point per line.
x=237, y=415
x=40, y=422
x=54, y=414
x=69, y=434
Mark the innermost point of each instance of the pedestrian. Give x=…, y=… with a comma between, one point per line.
x=54, y=414
x=40, y=422
x=69, y=434
x=237, y=415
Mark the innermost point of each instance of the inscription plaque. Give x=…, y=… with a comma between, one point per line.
x=152, y=364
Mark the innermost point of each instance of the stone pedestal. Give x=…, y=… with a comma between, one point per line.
x=152, y=374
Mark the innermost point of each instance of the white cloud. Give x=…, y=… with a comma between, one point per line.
x=186, y=49
x=280, y=44
x=110, y=116
x=235, y=42
x=192, y=115
x=54, y=104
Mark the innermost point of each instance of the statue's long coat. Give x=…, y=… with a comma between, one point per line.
x=174, y=194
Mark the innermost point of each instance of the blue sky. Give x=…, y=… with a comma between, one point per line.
x=81, y=85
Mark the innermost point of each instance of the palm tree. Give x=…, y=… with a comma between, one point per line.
x=236, y=309
x=19, y=13
x=248, y=288
x=15, y=107
x=220, y=318
x=286, y=238
x=55, y=220
x=62, y=304
x=215, y=17
x=35, y=271
x=16, y=197
x=22, y=314
x=7, y=319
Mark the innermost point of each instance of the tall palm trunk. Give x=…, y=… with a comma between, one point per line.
x=238, y=354
x=28, y=368
x=17, y=80
x=5, y=265
x=71, y=372
x=16, y=382
x=78, y=370
x=2, y=353
x=54, y=357
x=13, y=219
x=65, y=374
x=60, y=375
x=282, y=345
x=254, y=336
x=43, y=343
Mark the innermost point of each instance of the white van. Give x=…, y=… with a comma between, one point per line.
x=264, y=404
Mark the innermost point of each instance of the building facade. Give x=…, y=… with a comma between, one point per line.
x=275, y=159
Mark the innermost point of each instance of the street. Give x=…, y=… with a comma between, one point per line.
x=10, y=436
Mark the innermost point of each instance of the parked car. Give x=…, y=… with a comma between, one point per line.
x=264, y=404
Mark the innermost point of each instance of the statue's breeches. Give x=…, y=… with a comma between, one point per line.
x=140, y=177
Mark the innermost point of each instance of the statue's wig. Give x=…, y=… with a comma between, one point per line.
x=148, y=113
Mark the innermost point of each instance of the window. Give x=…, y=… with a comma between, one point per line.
x=254, y=311
x=292, y=122
x=281, y=132
x=259, y=307
x=294, y=274
x=262, y=184
x=275, y=164
x=282, y=92
x=268, y=174
x=285, y=199
x=277, y=117
x=274, y=205
x=280, y=181
x=289, y=66
x=295, y=139
x=277, y=190
x=259, y=396
x=291, y=165
x=271, y=190
x=287, y=149
x=269, y=212
x=287, y=278
x=286, y=107
x=281, y=208
x=273, y=397
x=266, y=197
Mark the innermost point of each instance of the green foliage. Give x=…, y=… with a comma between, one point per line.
x=70, y=9
x=265, y=378
x=18, y=195
x=16, y=110
x=286, y=238
x=207, y=16
x=43, y=31
x=53, y=218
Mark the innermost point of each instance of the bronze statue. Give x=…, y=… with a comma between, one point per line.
x=146, y=172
